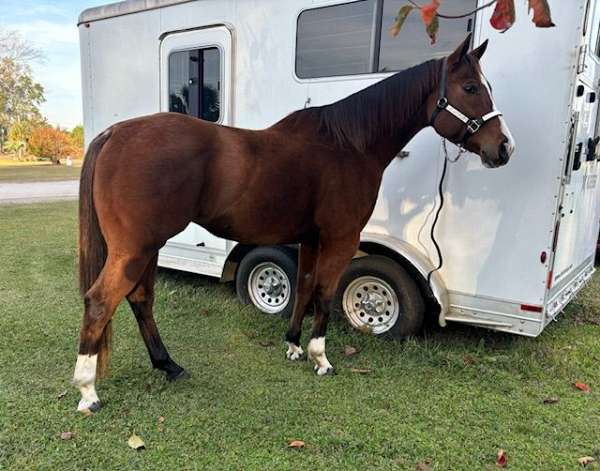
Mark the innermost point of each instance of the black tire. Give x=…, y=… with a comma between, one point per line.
x=411, y=306
x=281, y=257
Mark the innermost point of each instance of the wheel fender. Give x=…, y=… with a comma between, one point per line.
x=421, y=262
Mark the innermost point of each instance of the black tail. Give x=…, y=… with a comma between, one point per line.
x=92, y=246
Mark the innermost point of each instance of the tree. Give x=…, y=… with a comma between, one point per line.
x=52, y=143
x=20, y=95
x=502, y=19
x=77, y=136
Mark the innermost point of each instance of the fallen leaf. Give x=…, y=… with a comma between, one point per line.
x=583, y=387
x=204, y=312
x=469, y=360
x=250, y=335
x=296, y=444
x=62, y=394
x=66, y=435
x=501, y=459
x=362, y=371
x=349, y=350
x=424, y=465
x=400, y=19
x=551, y=400
x=161, y=419
x=266, y=343
x=541, y=13
x=504, y=15
x=136, y=443
x=585, y=460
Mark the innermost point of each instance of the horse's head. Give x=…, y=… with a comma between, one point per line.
x=463, y=110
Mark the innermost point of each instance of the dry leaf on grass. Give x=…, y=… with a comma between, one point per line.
x=362, y=371
x=204, y=312
x=552, y=400
x=424, y=465
x=296, y=444
x=501, y=459
x=266, y=343
x=62, y=394
x=136, y=443
x=585, y=460
x=161, y=419
x=66, y=435
x=469, y=360
x=583, y=387
x=349, y=350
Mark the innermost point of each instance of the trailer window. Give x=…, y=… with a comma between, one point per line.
x=194, y=83
x=335, y=40
x=352, y=38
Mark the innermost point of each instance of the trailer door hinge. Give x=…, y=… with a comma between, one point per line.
x=581, y=59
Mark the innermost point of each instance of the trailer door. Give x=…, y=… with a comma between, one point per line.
x=195, y=68
x=578, y=216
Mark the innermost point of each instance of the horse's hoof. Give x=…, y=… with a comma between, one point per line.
x=324, y=370
x=86, y=409
x=177, y=375
x=294, y=353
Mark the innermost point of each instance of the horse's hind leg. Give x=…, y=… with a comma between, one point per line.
x=119, y=276
x=334, y=257
x=141, y=300
x=304, y=293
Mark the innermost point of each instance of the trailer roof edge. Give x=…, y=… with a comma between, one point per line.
x=126, y=7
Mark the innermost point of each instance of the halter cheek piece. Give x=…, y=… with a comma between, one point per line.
x=472, y=125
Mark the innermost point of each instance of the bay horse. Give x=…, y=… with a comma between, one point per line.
x=145, y=179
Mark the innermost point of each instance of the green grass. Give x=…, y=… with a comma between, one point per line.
x=37, y=173
x=422, y=401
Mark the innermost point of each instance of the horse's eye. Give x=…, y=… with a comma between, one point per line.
x=471, y=89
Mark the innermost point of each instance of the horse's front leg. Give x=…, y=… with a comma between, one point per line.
x=334, y=257
x=304, y=292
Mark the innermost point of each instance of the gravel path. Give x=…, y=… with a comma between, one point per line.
x=37, y=192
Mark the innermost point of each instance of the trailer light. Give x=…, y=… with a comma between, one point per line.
x=543, y=257
x=530, y=308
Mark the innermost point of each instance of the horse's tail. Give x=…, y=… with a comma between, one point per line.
x=92, y=246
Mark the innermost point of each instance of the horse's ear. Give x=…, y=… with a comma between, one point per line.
x=461, y=51
x=480, y=51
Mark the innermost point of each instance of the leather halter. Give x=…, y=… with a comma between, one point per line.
x=472, y=125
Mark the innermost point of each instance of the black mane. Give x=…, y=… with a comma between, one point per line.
x=377, y=111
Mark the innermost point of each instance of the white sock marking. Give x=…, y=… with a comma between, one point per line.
x=294, y=352
x=84, y=378
x=316, y=353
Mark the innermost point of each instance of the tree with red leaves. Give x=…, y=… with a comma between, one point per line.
x=502, y=19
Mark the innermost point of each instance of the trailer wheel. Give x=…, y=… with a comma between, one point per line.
x=378, y=296
x=266, y=277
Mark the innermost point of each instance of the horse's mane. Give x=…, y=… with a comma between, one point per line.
x=377, y=111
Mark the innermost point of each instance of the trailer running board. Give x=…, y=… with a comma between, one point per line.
x=479, y=322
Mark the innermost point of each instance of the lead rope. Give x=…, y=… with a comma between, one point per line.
x=447, y=158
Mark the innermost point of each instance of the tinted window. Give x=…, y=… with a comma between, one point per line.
x=412, y=46
x=335, y=40
x=353, y=38
x=195, y=82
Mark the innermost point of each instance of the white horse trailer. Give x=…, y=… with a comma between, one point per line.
x=518, y=242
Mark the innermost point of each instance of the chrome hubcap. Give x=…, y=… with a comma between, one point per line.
x=371, y=304
x=269, y=287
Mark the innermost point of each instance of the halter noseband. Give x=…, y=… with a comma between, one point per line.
x=473, y=125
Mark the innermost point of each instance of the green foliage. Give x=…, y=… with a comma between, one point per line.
x=77, y=136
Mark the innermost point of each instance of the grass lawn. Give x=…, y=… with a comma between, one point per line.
x=12, y=171
x=450, y=398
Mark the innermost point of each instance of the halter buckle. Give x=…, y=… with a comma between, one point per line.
x=473, y=126
x=442, y=103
